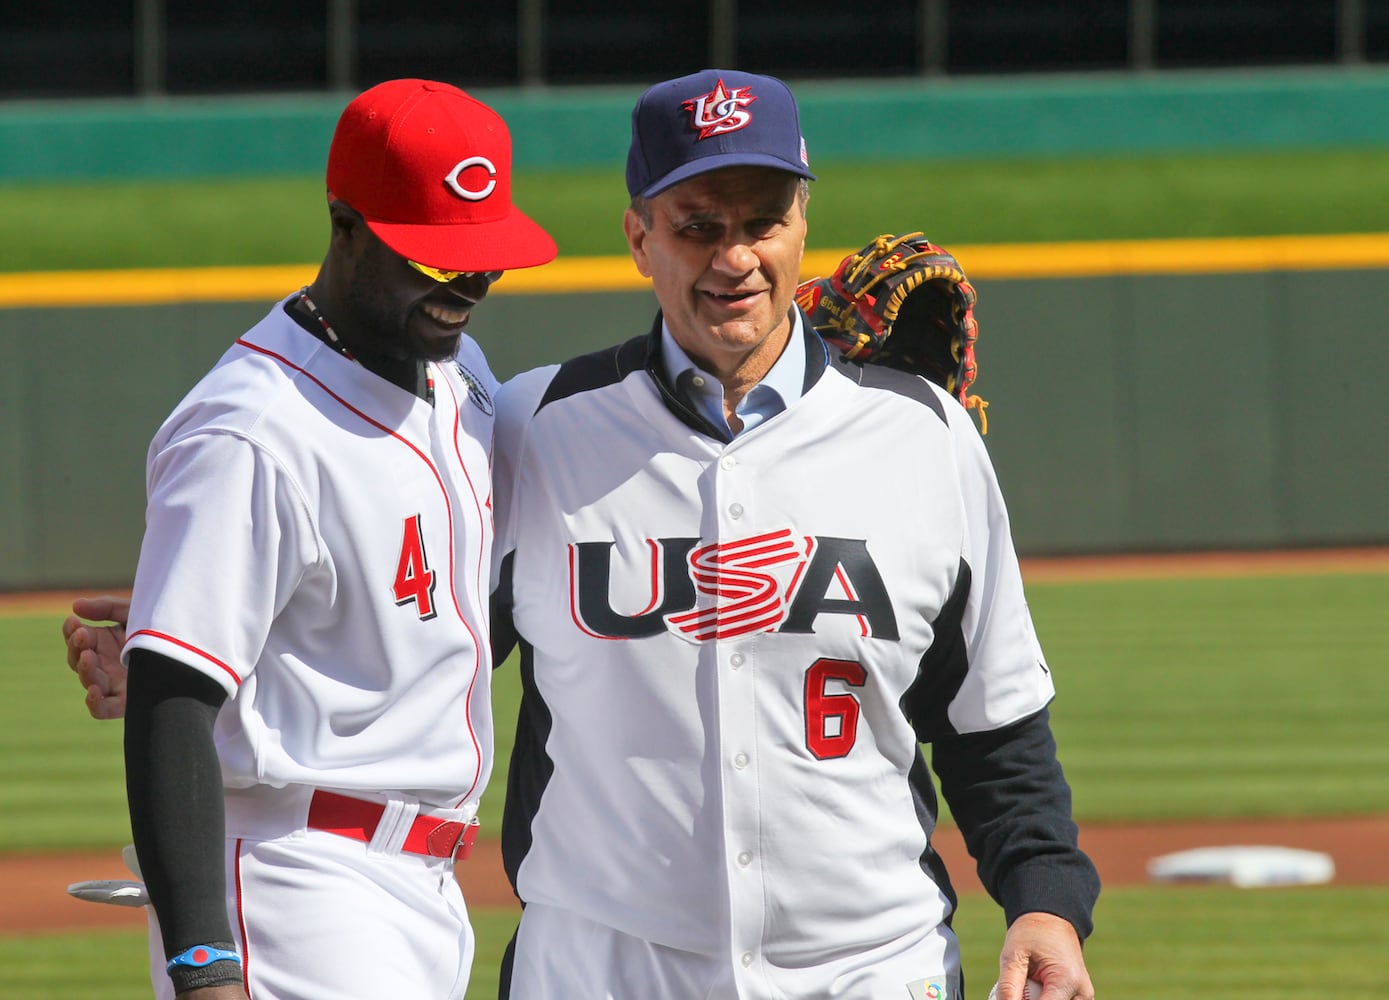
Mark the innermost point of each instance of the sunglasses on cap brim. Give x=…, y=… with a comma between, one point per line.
x=438, y=274
x=442, y=276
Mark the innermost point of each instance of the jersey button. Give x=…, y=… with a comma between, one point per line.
x=735, y=510
x=740, y=761
x=747, y=959
x=736, y=660
x=744, y=859
x=727, y=462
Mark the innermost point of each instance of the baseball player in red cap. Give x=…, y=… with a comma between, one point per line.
x=308, y=723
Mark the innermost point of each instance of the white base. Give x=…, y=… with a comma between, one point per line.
x=1244, y=866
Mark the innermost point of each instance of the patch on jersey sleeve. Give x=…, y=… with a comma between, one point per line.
x=476, y=391
x=945, y=986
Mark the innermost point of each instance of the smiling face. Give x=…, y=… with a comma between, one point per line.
x=723, y=251
x=387, y=309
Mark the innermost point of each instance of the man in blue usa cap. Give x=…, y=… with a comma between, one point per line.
x=742, y=606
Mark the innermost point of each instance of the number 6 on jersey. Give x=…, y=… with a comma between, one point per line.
x=831, y=720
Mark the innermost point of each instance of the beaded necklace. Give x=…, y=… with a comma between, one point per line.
x=335, y=342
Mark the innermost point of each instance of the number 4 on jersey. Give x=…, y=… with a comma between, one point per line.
x=414, y=580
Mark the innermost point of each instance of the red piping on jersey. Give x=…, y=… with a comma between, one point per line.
x=241, y=924
x=390, y=432
x=482, y=587
x=188, y=646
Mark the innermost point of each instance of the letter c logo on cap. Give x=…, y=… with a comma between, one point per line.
x=462, y=165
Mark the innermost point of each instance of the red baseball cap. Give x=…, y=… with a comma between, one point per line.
x=429, y=168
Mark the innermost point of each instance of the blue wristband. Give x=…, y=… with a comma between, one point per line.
x=200, y=955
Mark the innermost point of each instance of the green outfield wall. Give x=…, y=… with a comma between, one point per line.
x=1172, y=412
x=881, y=120
x=1233, y=398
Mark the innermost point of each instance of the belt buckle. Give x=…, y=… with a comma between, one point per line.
x=444, y=843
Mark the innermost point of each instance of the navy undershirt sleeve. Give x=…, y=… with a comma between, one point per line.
x=1012, y=803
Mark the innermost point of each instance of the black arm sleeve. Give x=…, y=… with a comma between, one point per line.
x=1012, y=803
x=174, y=788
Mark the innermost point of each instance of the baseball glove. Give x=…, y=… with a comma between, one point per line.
x=903, y=302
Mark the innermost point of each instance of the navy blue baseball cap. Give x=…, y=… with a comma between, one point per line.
x=709, y=120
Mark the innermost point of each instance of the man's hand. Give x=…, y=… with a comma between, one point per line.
x=1046, y=948
x=94, y=652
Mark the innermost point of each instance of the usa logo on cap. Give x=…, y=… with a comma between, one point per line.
x=721, y=110
x=706, y=121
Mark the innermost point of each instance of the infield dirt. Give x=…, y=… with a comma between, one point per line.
x=36, y=901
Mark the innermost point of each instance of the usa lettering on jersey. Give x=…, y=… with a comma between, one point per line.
x=775, y=581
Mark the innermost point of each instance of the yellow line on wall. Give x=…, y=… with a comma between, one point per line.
x=157, y=286
x=984, y=261
x=1212, y=256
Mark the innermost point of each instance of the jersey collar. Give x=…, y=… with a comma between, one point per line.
x=781, y=386
x=702, y=406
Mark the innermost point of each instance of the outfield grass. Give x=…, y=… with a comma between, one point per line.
x=225, y=221
x=1169, y=943
x=1257, y=696
x=61, y=774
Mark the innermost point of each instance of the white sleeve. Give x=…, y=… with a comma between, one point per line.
x=517, y=401
x=1008, y=677
x=228, y=536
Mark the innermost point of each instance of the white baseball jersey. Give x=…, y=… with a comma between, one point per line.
x=731, y=650
x=317, y=542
